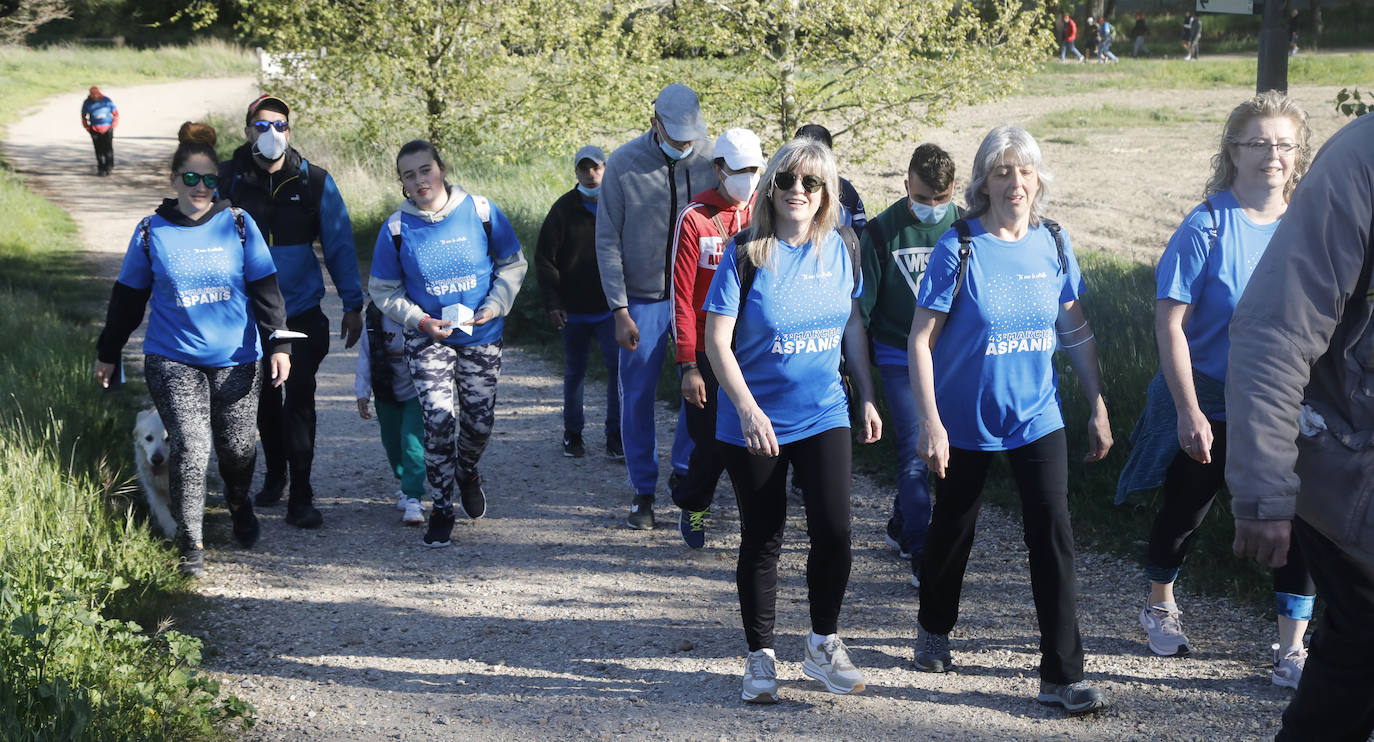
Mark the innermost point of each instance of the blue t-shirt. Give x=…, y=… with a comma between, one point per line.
x=995, y=384
x=199, y=309
x=448, y=262
x=1211, y=280
x=99, y=112
x=788, y=336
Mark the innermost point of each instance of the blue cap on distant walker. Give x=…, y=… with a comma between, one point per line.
x=589, y=152
x=679, y=109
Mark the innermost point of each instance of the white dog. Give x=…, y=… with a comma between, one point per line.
x=150, y=456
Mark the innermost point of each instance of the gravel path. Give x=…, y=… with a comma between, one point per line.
x=550, y=619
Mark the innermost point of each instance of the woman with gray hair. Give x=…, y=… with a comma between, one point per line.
x=1180, y=441
x=1000, y=295
x=781, y=303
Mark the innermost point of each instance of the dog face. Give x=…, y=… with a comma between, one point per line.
x=150, y=441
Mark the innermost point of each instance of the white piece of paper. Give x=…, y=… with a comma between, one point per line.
x=458, y=314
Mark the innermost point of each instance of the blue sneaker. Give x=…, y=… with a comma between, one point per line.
x=692, y=525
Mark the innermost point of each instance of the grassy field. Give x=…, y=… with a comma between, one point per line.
x=86, y=651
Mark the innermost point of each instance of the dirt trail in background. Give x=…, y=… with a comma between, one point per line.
x=550, y=619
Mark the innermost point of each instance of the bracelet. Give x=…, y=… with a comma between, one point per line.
x=687, y=365
x=1080, y=342
x=421, y=326
x=1076, y=329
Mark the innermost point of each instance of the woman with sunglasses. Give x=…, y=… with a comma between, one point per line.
x=1180, y=440
x=206, y=272
x=1000, y=295
x=779, y=306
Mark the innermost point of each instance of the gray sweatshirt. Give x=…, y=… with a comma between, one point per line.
x=508, y=274
x=1300, y=384
x=641, y=197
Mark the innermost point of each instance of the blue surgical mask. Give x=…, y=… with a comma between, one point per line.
x=927, y=214
x=674, y=154
x=588, y=192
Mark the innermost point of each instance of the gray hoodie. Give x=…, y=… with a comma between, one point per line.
x=1300, y=379
x=508, y=274
x=641, y=195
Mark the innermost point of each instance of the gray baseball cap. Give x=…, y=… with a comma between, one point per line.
x=589, y=152
x=679, y=109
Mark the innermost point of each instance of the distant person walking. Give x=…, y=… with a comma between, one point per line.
x=782, y=303
x=1293, y=28
x=206, y=273
x=99, y=117
x=570, y=286
x=1192, y=36
x=1092, y=38
x=1138, y=33
x=1105, y=30
x=1068, y=35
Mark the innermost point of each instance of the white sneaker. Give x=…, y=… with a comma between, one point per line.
x=830, y=664
x=760, y=678
x=415, y=514
x=1288, y=667
x=1162, y=623
x=401, y=500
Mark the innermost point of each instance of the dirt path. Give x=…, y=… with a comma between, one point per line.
x=549, y=619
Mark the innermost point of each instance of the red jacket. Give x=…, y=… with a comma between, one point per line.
x=703, y=228
x=1070, y=31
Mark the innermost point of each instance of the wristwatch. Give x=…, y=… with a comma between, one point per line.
x=687, y=365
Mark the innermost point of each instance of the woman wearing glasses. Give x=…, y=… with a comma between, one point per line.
x=209, y=278
x=999, y=297
x=1180, y=440
x=779, y=307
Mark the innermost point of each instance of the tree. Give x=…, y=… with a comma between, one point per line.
x=19, y=18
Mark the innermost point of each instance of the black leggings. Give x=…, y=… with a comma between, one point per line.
x=822, y=465
x=1189, y=490
x=1041, y=471
x=286, y=415
x=200, y=406
x=696, y=490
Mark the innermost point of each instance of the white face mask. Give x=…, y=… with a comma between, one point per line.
x=271, y=145
x=741, y=186
x=928, y=214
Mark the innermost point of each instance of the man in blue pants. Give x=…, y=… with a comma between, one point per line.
x=648, y=181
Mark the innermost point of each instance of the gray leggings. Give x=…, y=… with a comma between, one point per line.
x=199, y=405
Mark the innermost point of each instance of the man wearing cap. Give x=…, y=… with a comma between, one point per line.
x=703, y=229
x=294, y=203
x=648, y=181
x=99, y=117
x=570, y=284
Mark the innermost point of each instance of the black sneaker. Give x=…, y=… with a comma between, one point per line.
x=641, y=513
x=614, y=447
x=572, y=445
x=932, y=652
x=245, y=525
x=893, y=537
x=192, y=563
x=1076, y=698
x=692, y=525
x=473, y=498
x=301, y=513
x=440, y=531
x=271, y=492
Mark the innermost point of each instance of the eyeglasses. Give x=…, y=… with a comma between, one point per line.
x=191, y=179
x=263, y=126
x=785, y=180
x=1259, y=146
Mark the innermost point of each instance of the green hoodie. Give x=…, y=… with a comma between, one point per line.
x=895, y=248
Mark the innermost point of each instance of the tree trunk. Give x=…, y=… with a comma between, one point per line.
x=1095, y=8
x=1317, y=27
x=787, y=66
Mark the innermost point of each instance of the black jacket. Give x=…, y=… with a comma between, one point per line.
x=565, y=258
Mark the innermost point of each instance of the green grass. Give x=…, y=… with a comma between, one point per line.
x=85, y=648
x=1335, y=70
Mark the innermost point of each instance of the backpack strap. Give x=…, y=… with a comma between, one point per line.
x=393, y=225
x=1215, y=232
x=851, y=244
x=483, y=207
x=145, y=236
x=745, y=271
x=720, y=226
x=1057, y=232
x=965, y=250
x=239, y=226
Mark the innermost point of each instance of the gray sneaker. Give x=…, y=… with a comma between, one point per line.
x=1162, y=623
x=932, y=652
x=830, y=664
x=1288, y=667
x=1076, y=698
x=760, y=678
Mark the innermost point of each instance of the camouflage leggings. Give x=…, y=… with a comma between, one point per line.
x=435, y=367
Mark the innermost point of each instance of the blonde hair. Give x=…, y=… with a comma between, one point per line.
x=1266, y=105
x=1006, y=145
x=808, y=156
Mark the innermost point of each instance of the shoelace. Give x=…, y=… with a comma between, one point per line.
x=937, y=644
x=698, y=519
x=837, y=654
x=1169, y=621
x=758, y=668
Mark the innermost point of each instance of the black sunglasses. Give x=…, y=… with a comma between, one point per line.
x=785, y=180
x=263, y=126
x=191, y=179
